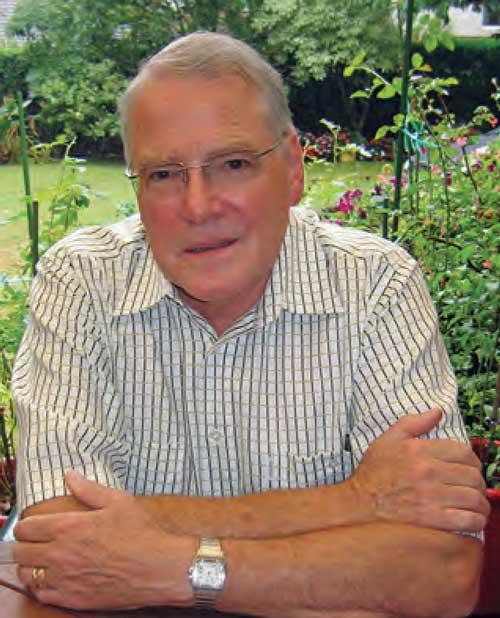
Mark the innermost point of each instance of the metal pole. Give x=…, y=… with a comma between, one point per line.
x=31, y=210
x=404, y=112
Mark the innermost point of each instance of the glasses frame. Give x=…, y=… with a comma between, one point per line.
x=183, y=170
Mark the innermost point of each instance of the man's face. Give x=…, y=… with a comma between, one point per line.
x=216, y=243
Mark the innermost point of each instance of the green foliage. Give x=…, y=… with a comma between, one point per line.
x=450, y=221
x=81, y=53
x=13, y=69
x=326, y=34
x=63, y=201
x=81, y=101
x=473, y=63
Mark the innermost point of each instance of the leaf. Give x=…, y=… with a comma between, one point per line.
x=467, y=252
x=397, y=83
x=360, y=94
x=430, y=42
x=387, y=92
x=348, y=71
x=358, y=59
x=448, y=41
x=417, y=60
x=382, y=132
x=399, y=120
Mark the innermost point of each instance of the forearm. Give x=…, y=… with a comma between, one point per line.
x=364, y=571
x=381, y=569
x=268, y=515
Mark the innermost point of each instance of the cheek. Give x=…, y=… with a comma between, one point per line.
x=156, y=218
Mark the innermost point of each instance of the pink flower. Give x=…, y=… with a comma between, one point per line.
x=493, y=122
x=491, y=167
x=339, y=222
x=345, y=204
x=362, y=213
x=462, y=142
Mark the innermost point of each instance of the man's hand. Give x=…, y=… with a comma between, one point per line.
x=431, y=483
x=113, y=556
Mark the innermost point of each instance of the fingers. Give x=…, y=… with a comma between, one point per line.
x=90, y=493
x=414, y=425
x=450, y=451
x=35, y=529
x=459, y=474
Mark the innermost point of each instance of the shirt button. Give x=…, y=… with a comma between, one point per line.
x=214, y=435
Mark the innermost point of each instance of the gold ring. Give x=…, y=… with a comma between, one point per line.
x=38, y=577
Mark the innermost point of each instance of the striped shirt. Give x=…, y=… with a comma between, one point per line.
x=120, y=380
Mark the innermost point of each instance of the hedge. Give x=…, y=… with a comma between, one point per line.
x=13, y=70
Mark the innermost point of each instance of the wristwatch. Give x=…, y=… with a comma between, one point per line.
x=207, y=573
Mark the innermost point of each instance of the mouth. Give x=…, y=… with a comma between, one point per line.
x=210, y=247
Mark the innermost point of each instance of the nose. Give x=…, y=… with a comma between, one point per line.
x=199, y=201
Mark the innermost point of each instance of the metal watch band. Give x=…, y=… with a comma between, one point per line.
x=206, y=592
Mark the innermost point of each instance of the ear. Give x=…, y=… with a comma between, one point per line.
x=295, y=167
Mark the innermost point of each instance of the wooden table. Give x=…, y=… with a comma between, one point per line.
x=15, y=603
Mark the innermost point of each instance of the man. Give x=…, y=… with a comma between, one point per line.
x=231, y=369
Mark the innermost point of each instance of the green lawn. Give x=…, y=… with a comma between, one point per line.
x=109, y=187
x=107, y=182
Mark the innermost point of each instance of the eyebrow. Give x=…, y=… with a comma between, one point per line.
x=147, y=165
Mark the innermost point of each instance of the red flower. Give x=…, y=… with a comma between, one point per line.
x=493, y=122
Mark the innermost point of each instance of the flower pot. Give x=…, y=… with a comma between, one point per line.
x=348, y=156
x=7, y=488
x=489, y=598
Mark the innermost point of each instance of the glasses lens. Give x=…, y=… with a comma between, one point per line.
x=233, y=168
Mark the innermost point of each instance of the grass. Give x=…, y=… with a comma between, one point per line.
x=109, y=187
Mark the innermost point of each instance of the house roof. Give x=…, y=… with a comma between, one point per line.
x=6, y=10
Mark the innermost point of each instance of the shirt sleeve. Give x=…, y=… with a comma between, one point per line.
x=67, y=408
x=403, y=365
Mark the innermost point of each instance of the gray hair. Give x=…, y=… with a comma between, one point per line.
x=212, y=55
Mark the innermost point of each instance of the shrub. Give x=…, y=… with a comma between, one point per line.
x=81, y=103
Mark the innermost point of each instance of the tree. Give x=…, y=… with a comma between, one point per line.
x=74, y=44
x=315, y=39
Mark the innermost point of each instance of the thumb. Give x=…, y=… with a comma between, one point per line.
x=90, y=493
x=414, y=425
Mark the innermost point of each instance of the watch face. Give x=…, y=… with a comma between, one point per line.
x=209, y=574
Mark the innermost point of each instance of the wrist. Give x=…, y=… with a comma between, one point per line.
x=364, y=500
x=173, y=587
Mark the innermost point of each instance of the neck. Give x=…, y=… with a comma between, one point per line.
x=221, y=315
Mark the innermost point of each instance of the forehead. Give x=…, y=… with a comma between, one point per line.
x=185, y=118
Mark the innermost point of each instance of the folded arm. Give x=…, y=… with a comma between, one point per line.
x=121, y=553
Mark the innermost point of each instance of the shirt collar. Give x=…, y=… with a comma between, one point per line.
x=302, y=280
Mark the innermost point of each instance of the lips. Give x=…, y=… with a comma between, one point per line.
x=207, y=246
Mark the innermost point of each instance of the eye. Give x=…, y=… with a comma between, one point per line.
x=237, y=163
x=161, y=175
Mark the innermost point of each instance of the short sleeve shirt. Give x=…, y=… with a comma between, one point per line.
x=120, y=380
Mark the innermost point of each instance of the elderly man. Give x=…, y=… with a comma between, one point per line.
x=217, y=400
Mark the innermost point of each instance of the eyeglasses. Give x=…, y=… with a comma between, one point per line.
x=169, y=180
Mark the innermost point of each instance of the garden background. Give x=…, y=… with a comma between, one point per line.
x=346, y=69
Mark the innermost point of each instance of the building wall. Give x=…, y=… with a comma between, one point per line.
x=6, y=10
x=470, y=23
